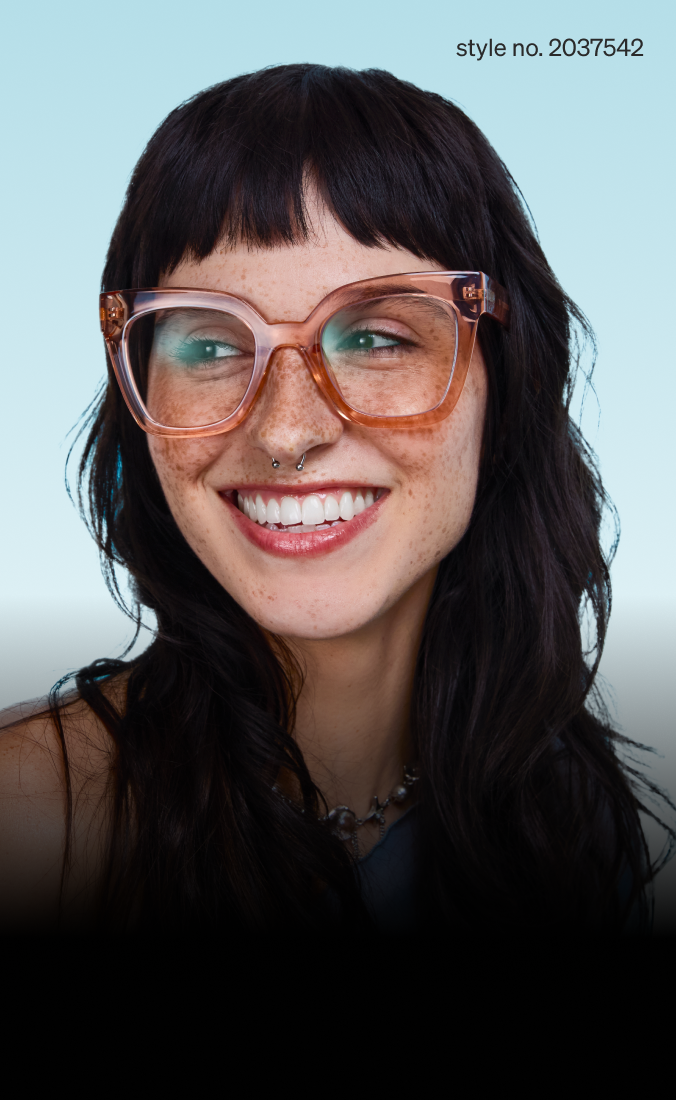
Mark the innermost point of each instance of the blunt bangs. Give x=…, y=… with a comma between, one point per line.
x=396, y=165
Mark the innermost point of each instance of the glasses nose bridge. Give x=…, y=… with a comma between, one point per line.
x=289, y=334
x=299, y=336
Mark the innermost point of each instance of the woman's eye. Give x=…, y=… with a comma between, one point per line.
x=205, y=351
x=366, y=341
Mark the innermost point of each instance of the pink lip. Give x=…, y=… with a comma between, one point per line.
x=300, y=489
x=304, y=544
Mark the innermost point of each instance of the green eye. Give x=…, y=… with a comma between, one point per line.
x=205, y=351
x=366, y=341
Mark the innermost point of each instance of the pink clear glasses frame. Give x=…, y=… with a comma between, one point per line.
x=468, y=294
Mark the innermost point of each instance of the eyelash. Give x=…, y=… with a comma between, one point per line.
x=195, y=341
x=374, y=330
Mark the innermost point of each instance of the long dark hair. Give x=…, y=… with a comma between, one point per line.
x=527, y=818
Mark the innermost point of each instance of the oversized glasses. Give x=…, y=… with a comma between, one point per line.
x=392, y=351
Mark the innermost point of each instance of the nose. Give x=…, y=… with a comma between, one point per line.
x=291, y=415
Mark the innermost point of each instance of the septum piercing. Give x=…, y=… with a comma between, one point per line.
x=300, y=467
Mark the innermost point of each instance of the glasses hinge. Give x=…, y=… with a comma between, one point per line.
x=112, y=316
x=472, y=294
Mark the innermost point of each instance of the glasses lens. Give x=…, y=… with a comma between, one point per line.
x=392, y=356
x=192, y=367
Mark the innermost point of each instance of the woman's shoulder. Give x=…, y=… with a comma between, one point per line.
x=34, y=789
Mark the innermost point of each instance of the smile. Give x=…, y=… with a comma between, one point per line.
x=305, y=512
x=291, y=524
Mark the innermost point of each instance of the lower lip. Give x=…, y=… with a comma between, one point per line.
x=304, y=544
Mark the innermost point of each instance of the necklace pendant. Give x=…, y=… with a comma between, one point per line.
x=376, y=811
x=411, y=775
x=342, y=822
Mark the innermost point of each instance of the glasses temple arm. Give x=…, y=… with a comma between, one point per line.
x=496, y=301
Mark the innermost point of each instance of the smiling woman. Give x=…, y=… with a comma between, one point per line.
x=335, y=457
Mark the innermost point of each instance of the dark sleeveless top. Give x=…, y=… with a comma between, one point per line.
x=388, y=882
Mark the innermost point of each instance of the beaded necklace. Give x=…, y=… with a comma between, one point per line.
x=343, y=822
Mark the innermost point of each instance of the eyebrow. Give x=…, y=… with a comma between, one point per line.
x=383, y=290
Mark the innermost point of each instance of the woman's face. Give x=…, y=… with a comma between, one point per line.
x=422, y=482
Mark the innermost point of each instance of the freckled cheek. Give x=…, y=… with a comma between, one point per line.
x=437, y=458
x=439, y=468
x=182, y=463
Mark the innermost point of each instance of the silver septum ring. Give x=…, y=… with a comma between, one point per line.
x=300, y=466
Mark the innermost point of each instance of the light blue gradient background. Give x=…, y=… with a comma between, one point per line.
x=588, y=140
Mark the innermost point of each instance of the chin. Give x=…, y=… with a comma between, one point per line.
x=314, y=622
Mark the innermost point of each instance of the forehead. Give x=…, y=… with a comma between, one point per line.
x=286, y=282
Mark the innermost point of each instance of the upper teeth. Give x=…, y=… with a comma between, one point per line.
x=307, y=511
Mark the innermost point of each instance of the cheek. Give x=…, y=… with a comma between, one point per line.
x=463, y=443
x=181, y=465
x=443, y=461
x=442, y=467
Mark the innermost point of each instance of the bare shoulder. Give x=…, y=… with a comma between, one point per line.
x=33, y=808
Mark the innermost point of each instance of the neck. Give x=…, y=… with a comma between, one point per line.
x=353, y=715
